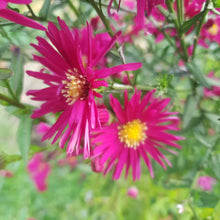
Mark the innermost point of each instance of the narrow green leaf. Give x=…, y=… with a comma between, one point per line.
x=212, y=117
x=17, y=65
x=24, y=135
x=3, y=83
x=45, y=9
x=214, y=164
x=198, y=74
x=189, y=110
x=188, y=24
x=204, y=199
x=216, y=3
x=5, y=74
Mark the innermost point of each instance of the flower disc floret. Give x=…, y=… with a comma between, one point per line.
x=133, y=133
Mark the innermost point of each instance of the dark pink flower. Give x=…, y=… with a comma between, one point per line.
x=141, y=130
x=206, y=182
x=132, y=192
x=97, y=166
x=71, y=77
x=142, y=7
x=39, y=171
x=16, y=17
x=145, y=5
x=6, y=173
x=42, y=128
x=215, y=90
x=71, y=161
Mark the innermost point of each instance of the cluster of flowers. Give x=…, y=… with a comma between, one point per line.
x=74, y=68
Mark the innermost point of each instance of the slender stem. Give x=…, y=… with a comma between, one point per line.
x=180, y=11
x=121, y=8
x=12, y=102
x=178, y=27
x=110, y=31
x=31, y=11
x=72, y=6
x=10, y=91
x=196, y=37
x=102, y=16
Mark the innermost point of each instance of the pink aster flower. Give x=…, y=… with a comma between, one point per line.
x=39, y=171
x=215, y=90
x=132, y=192
x=140, y=132
x=206, y=182
x=142, y=7
x=71, y=84
x=16, y=17
x=145, y=5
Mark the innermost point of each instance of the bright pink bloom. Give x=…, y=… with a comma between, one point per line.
x=139, y=132
x=39, y=171
x=71, y=82
x=142, y=6
x=42, y=128
x=215, y=90
x=206, y=182
x=132, y=192
x=6, y=173
x=16, y=17
x=71, y=161
x=96, y=166
x=145, y=5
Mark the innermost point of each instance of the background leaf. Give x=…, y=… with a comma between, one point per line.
x=5, y=74
x=24, y=135
x=17, y=65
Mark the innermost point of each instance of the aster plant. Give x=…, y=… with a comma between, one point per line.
x=72, y=84
x=139, y=132
x=122, y=88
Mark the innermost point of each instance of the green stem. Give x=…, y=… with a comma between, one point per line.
x=177, y=22
x=196, y=37
x=10, y=91
x=10, y=101
x=180, y=11
x=103, y=18
x=31, y=11
x=110, y=31
x=73, y=8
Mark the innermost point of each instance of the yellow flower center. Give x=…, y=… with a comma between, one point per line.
x=213, y=30
x=75, y=87
x=132, y=133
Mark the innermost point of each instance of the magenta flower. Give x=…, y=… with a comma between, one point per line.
x=42, y=128
x=96, y=166
x=39, y=171
x=16, y=17
x=71, y=83
x=206, y=182
x=139, y=132
x=215, y=90
x=132, y=192
x=145, y=5
x=142, y=6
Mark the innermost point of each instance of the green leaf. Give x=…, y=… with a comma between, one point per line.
x=6, y=159
x=189, y=110
x=45, y=9
x=216, y=3
x=204, y=199
x=198, y=74
x=214, y=164
x=24, y=135
x=188, y=24
x=17, y=65
x=212, y=117
x=5, y=74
